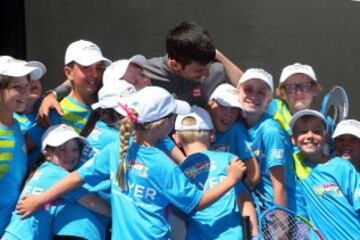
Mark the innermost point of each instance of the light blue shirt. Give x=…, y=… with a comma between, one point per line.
x=271, y=146
x=221, y=220
x=39, y=224
x=13, y=166
x=234, y=140
x=332, y=195
x=154, y=182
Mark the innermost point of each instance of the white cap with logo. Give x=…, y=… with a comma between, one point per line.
x=84, y=53
x=153, y=103
x=117, y=69
x=12, y=67
x=115, y=95
x=297, y=68
x=306, y=112
x=202, y=119
x=59, y=134
x=258, y=73
x=348, y=126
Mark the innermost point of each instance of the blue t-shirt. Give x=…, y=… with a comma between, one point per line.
x=13, y=165
x=39, y=224
x=271, y=146
x=221, y=220
x=332, y=195
x=75, y=115
x=234, y=140
x=154, y=182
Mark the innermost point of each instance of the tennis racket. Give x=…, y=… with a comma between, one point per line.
x=278, y=222
x=335, y=106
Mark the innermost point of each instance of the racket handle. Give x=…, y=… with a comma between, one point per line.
x=246, y=228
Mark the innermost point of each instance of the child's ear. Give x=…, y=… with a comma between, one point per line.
x=68, y=73
x=47, y=155
x=176, y=139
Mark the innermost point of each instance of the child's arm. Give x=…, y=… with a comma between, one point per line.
x=277, y=176
x=236, y=171
x=176, y=155
x=252, y=177
x=95, y=204
x=30, y=203
x=247, y=208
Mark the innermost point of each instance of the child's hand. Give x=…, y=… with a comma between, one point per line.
x=236, y=169
x=27, y=205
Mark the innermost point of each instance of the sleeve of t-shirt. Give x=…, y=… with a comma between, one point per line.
x=166, y=145
x=275, y=142
x=97, y=169
x=243, y=143
x=180, y=191
x=350, y=182
x=36, y=131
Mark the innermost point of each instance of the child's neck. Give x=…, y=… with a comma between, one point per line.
x=195, y=147
x=252, y=119
x=87, y=100
x=318, y=157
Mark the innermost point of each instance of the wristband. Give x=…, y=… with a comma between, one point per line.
x=49, y=92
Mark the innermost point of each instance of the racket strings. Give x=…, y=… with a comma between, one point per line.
x=281, y=225
x=337, y=105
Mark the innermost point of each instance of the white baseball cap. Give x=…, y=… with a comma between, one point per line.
x=12, y=67
x=297, y=68
x=348, y=126
x=59, y=134
x=202, y=119
x=226, y=95
x=117, y=69
x=306, y=112
x=84, y=53
x=114, y=95
x=153, y=103
x=258, y=73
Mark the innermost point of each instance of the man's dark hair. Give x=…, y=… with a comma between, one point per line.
x=189, y=42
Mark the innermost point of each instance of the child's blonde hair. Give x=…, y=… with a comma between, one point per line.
x=187, y=137
x=127, y=127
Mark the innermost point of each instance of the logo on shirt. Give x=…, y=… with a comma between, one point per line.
x=220, y=148
x=277, y=153
x=330, y=189
x=198, y=168
x=139, y=168
x=197, y=92
x=357, y=194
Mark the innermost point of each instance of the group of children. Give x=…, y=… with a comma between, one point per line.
x=110, y=146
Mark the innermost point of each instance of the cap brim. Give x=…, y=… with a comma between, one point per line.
x=90, y=61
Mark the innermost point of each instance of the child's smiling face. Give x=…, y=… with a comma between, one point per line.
x=309, y=134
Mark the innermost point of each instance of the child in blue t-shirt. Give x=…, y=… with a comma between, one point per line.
x=270, y=143
x=15, y=77
x=206, y=169
x=332, y=185
x=230, y=134
x=61, y=146
x=347, y=141
x=144, y=181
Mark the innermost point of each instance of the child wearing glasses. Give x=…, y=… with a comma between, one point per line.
x=297, y=90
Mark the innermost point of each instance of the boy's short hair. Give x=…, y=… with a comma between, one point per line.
x=348, y=126
x=188, y=42
x=306, y=113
